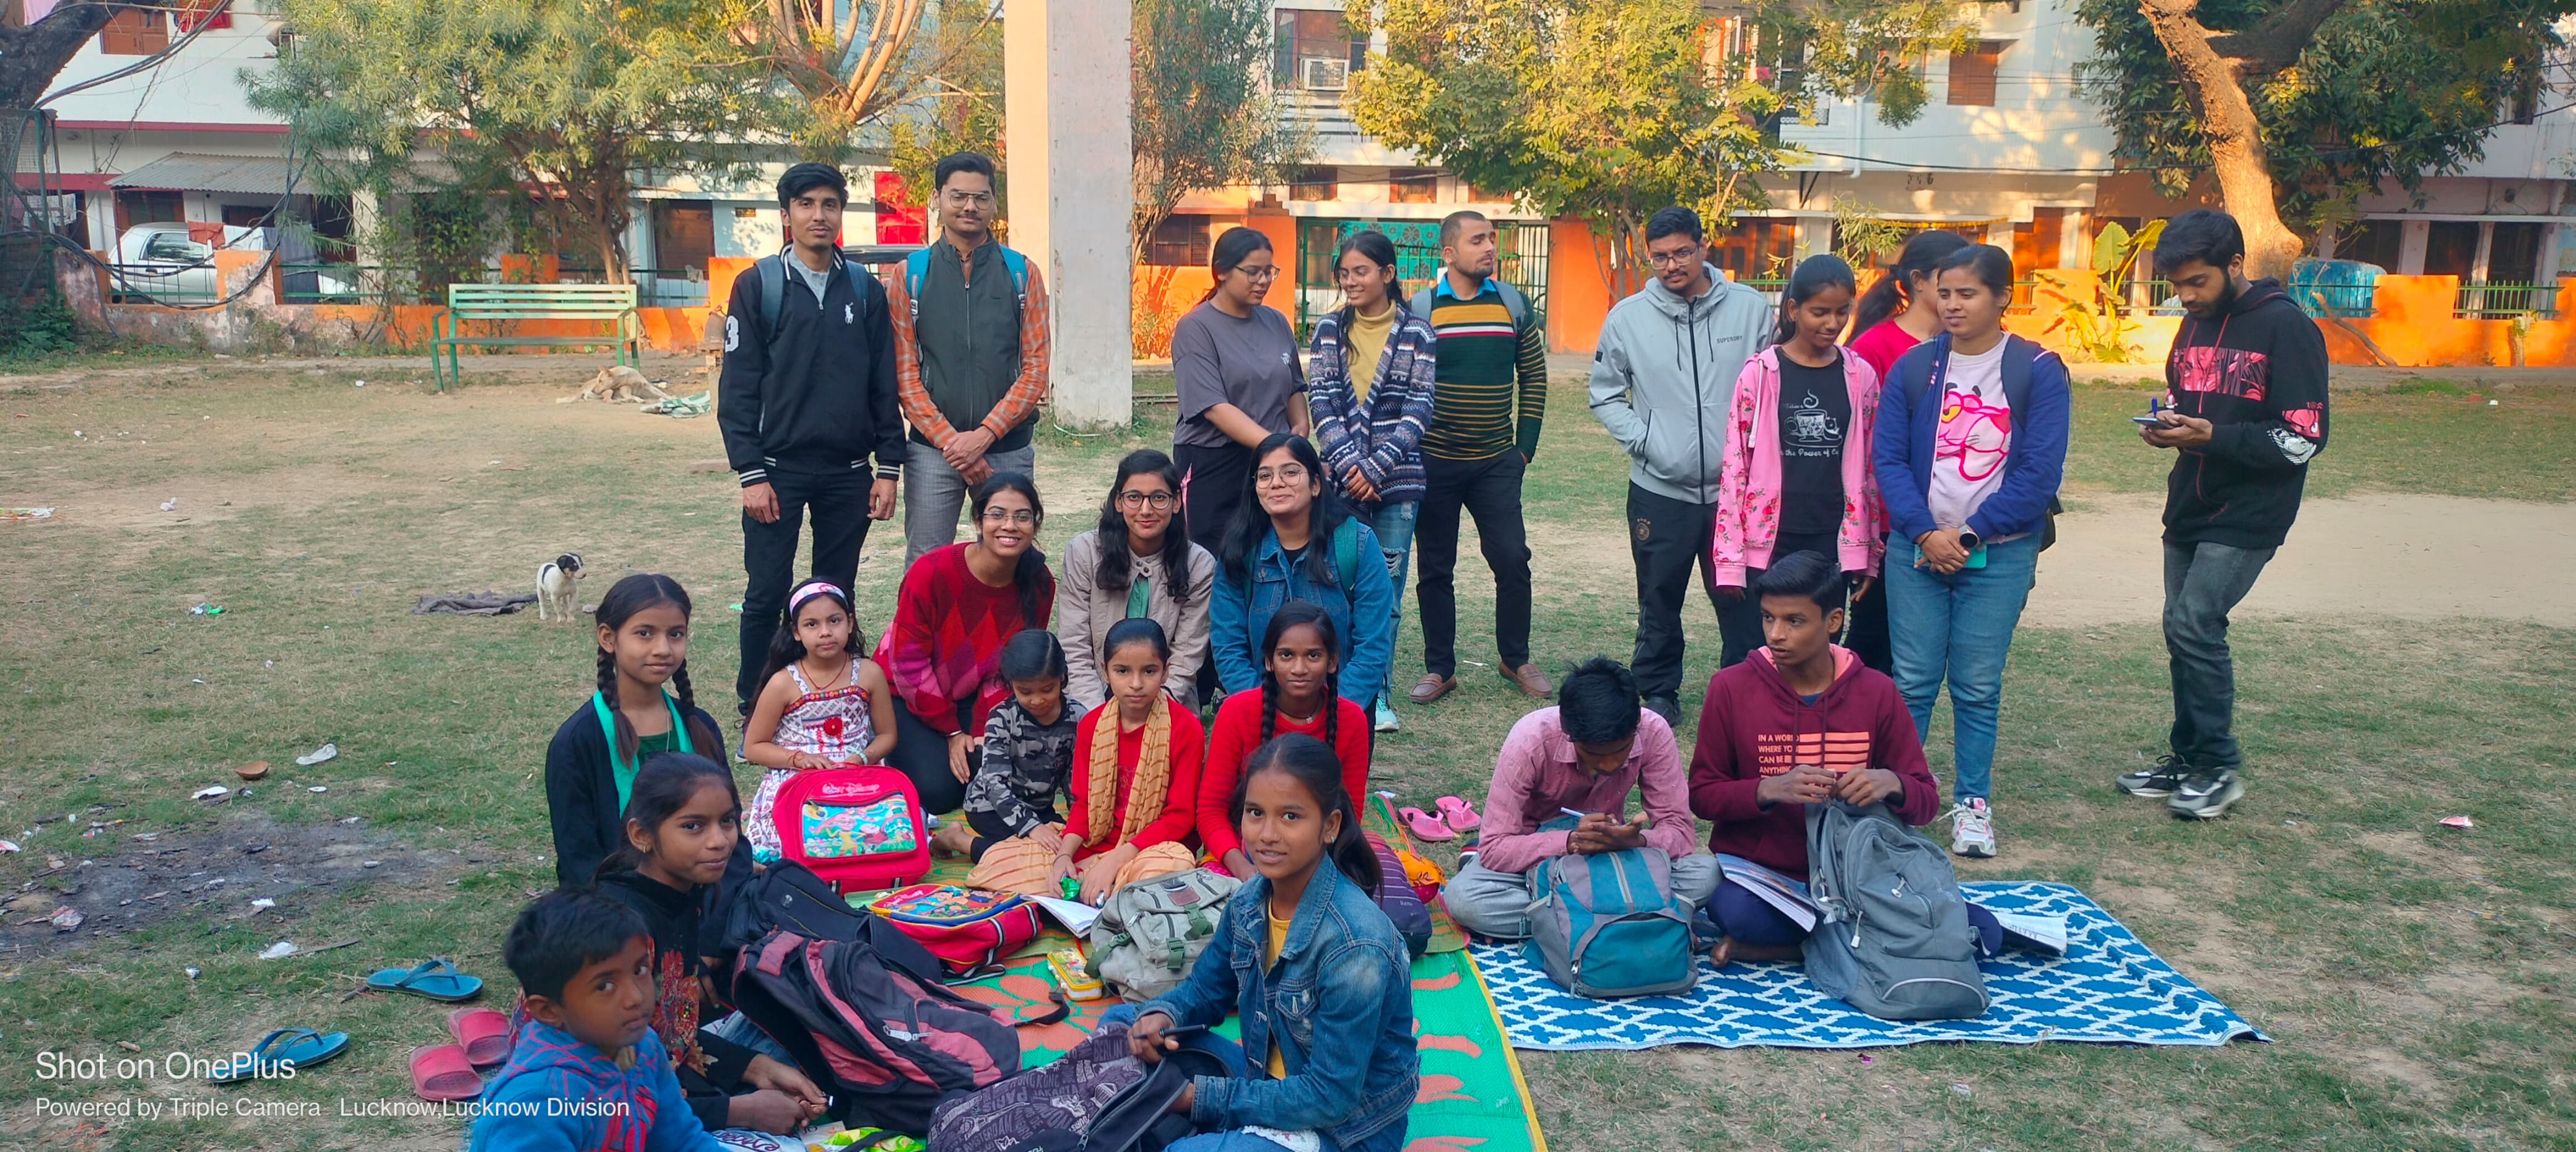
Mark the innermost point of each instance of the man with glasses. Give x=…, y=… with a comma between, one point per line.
x=971, y=349
x=1663, y=383
x=1489, y=395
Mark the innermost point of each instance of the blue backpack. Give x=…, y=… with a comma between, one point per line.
x=1608, y=925
x=917, y=266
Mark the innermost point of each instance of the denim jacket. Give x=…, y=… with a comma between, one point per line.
x=1361, y=603
x=1339, y=1003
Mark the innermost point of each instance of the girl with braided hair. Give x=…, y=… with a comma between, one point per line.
x=1300, y=692
x=591, y=765
x=1135, y=778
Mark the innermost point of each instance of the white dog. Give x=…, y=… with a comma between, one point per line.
x=555, y=589
x=619, y=384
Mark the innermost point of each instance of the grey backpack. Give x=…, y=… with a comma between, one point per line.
x=1894, y=939
x=1151, y=931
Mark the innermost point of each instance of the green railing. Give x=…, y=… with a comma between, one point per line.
x=377, y=284
x=2504, y=300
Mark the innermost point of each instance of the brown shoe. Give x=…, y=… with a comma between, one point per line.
x=1530, y=680
x=1432, y=687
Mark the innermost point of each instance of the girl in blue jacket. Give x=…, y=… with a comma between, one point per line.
x=1294, y=539
x=1971, y=445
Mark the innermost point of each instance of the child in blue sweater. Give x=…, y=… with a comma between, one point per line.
x=587, y=1073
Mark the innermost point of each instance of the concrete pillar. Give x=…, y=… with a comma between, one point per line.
x=1065, y=108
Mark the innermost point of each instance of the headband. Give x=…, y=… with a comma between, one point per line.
x=811, y=589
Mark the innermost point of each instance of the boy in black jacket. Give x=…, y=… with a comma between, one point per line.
x=2247, y=387
x=804, y=407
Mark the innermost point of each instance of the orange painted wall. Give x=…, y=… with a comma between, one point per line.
x=1281, y=228
x=1578, y=299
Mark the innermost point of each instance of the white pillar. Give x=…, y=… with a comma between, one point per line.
x=1065, y=107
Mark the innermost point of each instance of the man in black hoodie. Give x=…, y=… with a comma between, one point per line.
x=2246, y=411
x=808, y=394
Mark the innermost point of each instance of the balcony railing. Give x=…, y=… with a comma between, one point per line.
x=2504, y=300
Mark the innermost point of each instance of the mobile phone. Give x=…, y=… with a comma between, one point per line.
x=1976, y=557
x=1183, y=1031
x=2148, y=421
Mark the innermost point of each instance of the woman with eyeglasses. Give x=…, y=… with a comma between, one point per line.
x=1139, y=562
x=1296, y=540
x=1371, y=394
x=957, y=607
x=1235, y=364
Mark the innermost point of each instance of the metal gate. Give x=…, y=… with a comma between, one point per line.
x=1523, y=263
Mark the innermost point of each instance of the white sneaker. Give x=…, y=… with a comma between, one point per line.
x=1386, y=721
x=1972, y=829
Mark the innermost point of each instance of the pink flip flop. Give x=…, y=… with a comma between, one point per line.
x=1424, y=825
x=484, y=1034
x=440, y=1072
x=1458, y=814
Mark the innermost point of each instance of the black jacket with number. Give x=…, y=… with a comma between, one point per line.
x=818, y=395
x=2258, y=375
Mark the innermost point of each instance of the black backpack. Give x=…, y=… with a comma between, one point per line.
x=1095, y=1098
x=790, y=896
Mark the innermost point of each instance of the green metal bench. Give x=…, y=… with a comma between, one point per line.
x=610, y=305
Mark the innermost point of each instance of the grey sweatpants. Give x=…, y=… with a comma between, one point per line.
x=1495, y=905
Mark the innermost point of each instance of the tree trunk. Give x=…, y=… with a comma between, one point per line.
x=2216, y=87
x=32, y=56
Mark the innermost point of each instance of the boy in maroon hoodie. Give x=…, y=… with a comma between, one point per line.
x=1800, y=721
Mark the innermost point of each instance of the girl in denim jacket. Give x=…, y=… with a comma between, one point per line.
x=1316, y=971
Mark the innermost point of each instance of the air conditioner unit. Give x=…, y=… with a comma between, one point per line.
x=1324, y=74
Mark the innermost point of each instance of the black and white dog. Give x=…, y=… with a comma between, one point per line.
x=555, y=587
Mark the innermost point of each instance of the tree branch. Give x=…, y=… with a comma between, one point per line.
x=2275, y=43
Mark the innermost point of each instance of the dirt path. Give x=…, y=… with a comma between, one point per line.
x=2408, y=556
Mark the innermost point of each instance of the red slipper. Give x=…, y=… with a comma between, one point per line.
x=440, y=1072
x=484, y=1033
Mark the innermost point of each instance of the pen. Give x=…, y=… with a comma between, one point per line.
x=1573, y=813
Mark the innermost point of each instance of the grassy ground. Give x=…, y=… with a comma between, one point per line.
x=2416, y=979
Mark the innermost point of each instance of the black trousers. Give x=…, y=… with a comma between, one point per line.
x=1666, y=537
x=1212, y=482
x=921, y=753
x=839, y=503
x=1490, y=491
x=1865, y=632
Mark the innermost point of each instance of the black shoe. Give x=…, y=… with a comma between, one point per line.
x=1666, y=707
x=2160, y=780
x=2206, y=794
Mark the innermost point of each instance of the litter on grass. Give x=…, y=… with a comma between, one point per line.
x=8, y=846
x=65, y=918
x=170, y=505
x=263, y=902
x=209, y=792
x=20, y=515
x=2458, y=822
x=193, y=971
x=279, y=951
x=253, y=770
x=318, y=788
x=319, y=755
x=207, y=610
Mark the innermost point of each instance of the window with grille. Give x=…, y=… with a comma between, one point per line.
x=1314, y=184
x=1314, y=50
x=1179, y=242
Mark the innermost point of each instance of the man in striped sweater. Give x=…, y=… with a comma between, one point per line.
x=1488, y=398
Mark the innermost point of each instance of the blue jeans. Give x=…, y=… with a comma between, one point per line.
x=1394, y=527
x=1958, y=628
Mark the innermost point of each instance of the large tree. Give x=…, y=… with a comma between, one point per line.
x=2297, y=107
x=1200, y=115
x=565, y=103
x=863, y=63
x=31, y=56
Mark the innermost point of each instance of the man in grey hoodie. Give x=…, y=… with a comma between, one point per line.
x=1663, y=383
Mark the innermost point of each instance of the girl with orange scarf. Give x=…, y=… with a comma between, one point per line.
x=1135, y=793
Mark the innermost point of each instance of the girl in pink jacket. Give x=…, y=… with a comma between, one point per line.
x=1795, y=476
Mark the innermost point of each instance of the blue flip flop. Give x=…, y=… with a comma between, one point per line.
x=302, y=1049
x=436, y=979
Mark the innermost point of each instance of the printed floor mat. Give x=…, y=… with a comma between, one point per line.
x=2109, y=988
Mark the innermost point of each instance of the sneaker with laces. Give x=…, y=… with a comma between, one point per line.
x=1972, y=829
x=2160, y=780
x=1386, y=721
x=2206, y=794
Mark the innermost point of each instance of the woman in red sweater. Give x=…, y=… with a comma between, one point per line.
x=1135, y=792
x=1300, y=673
x=957, y=607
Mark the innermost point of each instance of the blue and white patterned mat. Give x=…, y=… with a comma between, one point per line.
x=2107, y=989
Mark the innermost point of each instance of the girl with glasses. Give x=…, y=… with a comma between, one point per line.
x=1140, y=562
x=1235, y=364
x=1295, y=540
x=957, y=607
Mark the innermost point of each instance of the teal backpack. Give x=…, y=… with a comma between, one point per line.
x=1608, y=925
x=917, y=266
x=1346, y=560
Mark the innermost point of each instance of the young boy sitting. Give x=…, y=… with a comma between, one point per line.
x=1581, y=758
x=1799, y=721
x=587, y=1073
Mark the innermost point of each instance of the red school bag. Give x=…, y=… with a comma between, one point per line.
x=967, y=928
x=856, y=826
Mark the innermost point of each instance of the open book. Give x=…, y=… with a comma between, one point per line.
x=1075, y=915
x=1776, y=889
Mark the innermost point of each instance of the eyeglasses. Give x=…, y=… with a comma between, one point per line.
x=1283, y=474
x=1020, y=516
x=962, y=199
x=1132, y=500
x=1265, y=273
x=1358, y=273
x=1683, y=258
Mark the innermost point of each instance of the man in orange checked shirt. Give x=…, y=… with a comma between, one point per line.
x=970, y=339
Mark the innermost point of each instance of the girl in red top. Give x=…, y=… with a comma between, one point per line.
x=943, y=653
x=1896, y=313
x=1135, y=790
x=1301, y=666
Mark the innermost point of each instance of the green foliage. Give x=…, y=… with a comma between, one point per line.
x=571, y=98
x=1601, y=109
x=1862, y=239
x=2385, y=90
x=961, y=112
x=2100, y=322
x=1860, y=49
x=1201, y=115
x=42, y=327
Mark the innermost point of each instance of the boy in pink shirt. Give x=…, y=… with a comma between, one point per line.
x=1586, y=755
